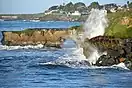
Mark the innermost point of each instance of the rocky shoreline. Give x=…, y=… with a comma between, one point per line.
x=118, y=50
x=47, y=37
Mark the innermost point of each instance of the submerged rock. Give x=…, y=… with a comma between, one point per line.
x=106, y=60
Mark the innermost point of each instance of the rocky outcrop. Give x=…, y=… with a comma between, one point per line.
x=118, y=50
x=47, y=37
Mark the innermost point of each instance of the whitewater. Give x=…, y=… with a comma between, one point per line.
x=40, y=67
x=94, y=26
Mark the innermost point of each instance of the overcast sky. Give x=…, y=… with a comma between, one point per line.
x=37, y=6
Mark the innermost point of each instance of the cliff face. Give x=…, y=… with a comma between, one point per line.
x=47, y=37
x=118, y=50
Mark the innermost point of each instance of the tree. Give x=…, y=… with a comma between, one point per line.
x=94, y=5
x=80, y=6
x=125, y=6
x=127, y=2
x=69, y=7
x=130, y=5
x=70, y=4
x=53, y=8
x=61, y=7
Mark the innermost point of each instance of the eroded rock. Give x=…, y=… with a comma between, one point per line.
x=118, y=50
x=47, y=37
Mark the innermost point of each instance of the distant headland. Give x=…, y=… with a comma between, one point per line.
x=67, y=12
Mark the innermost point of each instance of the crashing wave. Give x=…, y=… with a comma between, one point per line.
x=94, y=26
x=74, y=58
x=121, y=65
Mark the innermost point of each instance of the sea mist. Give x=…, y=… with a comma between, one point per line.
x=94, y=26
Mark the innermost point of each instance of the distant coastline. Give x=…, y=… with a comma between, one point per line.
x=67, y=12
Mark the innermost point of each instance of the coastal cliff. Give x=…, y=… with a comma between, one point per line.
x=46, y=37
x=116, y=41
x=118, y=50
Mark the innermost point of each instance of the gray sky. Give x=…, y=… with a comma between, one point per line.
x=36, y=6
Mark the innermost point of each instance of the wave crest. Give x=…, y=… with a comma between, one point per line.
x=5, y=47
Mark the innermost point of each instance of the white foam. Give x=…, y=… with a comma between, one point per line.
x=4, y=47
x=73, y=58
x=121, y=65
x=93, y=57
x=95, y=26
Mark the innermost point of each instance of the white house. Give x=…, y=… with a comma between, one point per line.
x=9, y=17
x=50, y=12
x=120, y=8
x=47, y=13
x=112, y=10
x=76, y=13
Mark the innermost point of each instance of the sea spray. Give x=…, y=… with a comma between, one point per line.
x=75, y=57
x=72, y=58
x=94, y=26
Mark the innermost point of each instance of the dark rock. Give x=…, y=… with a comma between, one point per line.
x=128, y=64
x=106, y=60
x=118, y=50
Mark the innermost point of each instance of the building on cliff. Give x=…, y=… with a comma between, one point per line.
x=76, y=13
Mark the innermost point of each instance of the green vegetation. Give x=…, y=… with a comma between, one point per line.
x=129, y=4
x=28, y=32
x=78, y=29
x=65, y=12
x=115, y=28
x=70, y=7
x=94, y=5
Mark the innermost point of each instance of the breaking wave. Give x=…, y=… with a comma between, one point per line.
x=5, y=47
x=94, y=26
x=74, y=58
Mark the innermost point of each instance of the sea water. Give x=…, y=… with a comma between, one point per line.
x=37, y=67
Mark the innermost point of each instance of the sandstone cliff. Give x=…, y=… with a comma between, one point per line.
x=47, y=37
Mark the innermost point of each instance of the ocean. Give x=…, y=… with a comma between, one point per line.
x=37, y=67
